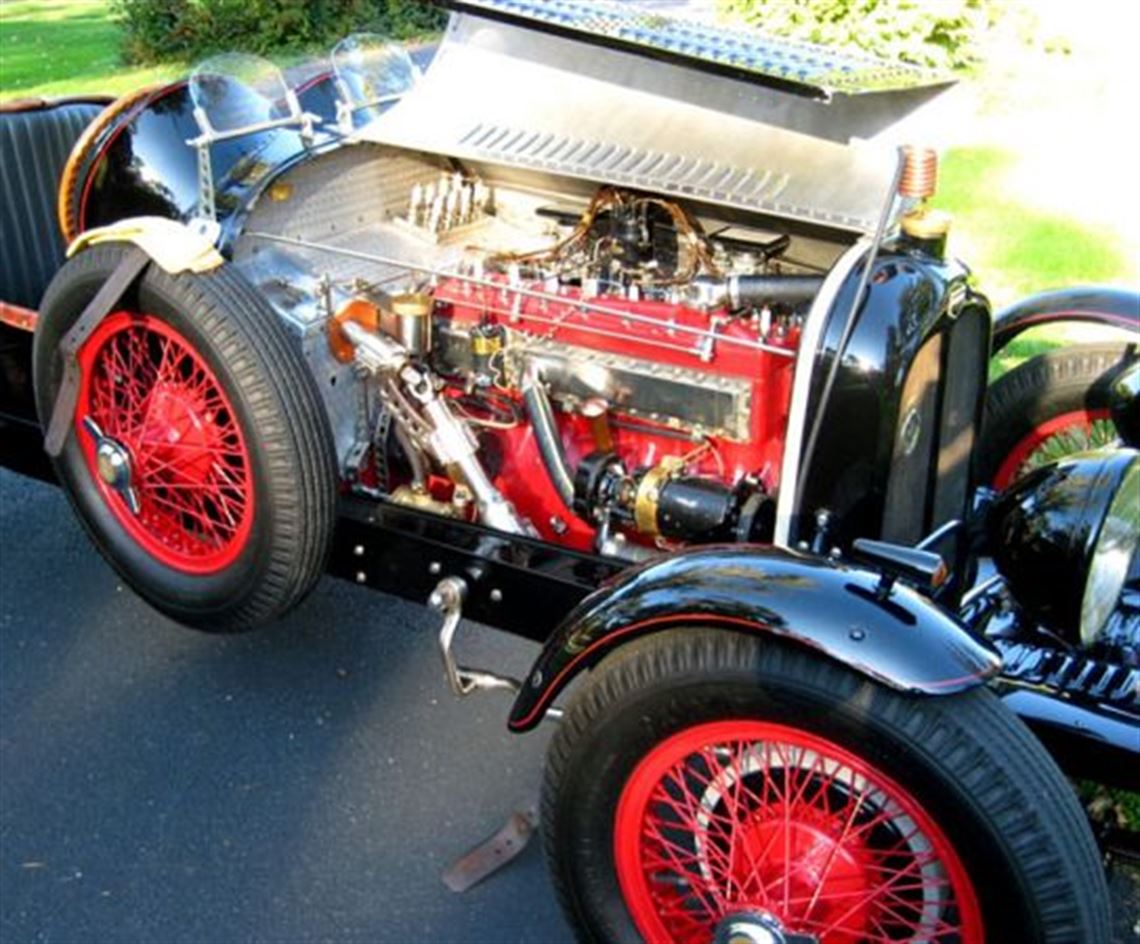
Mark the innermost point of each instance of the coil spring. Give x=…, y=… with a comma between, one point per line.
x=919, y=174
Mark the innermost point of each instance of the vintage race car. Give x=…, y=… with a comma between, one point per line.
x=641, y=340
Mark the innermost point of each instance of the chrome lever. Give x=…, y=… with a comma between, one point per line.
x=447, y=599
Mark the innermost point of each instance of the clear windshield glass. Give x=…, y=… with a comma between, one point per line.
x=371, y=70
x=237, y=91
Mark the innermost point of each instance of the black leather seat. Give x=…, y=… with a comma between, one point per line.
x=35, y=140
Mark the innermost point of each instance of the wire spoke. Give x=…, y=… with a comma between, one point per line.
x=794, y=826
x=150, y=391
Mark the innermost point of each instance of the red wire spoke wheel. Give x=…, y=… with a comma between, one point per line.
x=199, y=457
x=709, y=786
x=1051, y=406
x=1055, y=438
x=746, y=816
x=152, y=397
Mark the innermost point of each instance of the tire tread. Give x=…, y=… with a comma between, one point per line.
x=287, y=422
x=1004, y=771
x=1048, y=385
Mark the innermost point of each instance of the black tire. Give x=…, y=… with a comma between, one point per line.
x=277, y=409
x=1050, y=385
x=985, y=780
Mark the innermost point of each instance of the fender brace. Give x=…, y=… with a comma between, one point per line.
x=128, y=269
x=172, y=246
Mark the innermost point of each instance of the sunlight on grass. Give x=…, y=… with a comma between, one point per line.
x=1017, y=250
x=122, y=80
x=63, y=47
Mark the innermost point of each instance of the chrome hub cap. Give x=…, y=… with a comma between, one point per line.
x=113, y=462
x=749, y=927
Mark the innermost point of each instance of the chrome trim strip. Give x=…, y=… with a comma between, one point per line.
x=801, y=385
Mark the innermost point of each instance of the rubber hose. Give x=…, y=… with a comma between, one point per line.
x=541, y=416
x=746, y=291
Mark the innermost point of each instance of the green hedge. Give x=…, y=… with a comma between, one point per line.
x=938, y=33
x=154, y=30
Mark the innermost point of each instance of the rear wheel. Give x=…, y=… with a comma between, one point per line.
x=1051, y=406
x=703, y=780
x=199, y=456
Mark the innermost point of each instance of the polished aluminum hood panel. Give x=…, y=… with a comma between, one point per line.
x=652, y=30
x=520, y=96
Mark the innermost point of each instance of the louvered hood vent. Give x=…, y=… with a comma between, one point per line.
x=575, y=103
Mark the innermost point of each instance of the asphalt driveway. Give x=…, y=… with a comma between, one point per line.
x=307, y=783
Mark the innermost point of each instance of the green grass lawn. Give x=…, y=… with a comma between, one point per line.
x=61, y=47
x=1020, y=249
x=1016, y=250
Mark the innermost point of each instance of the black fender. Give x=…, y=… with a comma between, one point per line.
x=1124, y=403
x=1098, y=304
x=903, y=641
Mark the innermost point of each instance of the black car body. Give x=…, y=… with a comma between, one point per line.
x=620, y=324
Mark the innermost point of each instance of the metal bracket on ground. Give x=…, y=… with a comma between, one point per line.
x=493, y=853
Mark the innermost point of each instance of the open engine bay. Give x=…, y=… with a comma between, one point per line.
x=601, y=368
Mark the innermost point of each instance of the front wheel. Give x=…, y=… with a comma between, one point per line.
x=199, y=457
x=704, y=784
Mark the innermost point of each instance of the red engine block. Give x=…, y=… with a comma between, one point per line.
x=649, y=331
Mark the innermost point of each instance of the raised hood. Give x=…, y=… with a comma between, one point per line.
x=608, y=92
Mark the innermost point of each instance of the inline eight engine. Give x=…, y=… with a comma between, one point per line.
x=602, y=368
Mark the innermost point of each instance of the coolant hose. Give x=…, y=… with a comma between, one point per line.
x=748, y=291
x=541, y=416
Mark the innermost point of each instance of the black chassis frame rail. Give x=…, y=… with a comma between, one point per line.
x=516, y=584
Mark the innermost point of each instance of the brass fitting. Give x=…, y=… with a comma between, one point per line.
x=413, y=321
x=925, y=223
x=596, y=412
x=486, y=345
x=927, y=230
x=411, y=305
x=647, y=498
